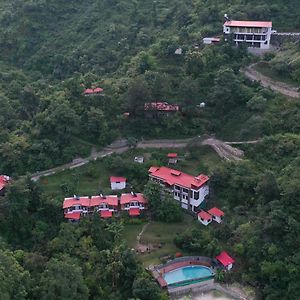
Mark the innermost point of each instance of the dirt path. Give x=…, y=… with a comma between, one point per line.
x=267, y=82
x=139, y=236
x=223, y=149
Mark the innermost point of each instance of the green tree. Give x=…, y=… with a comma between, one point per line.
x=63, y=279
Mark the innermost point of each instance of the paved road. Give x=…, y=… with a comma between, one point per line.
x=267, y=82
x=223, y=149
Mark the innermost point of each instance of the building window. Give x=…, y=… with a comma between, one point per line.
x=176, y=187
x=185, y=190
x=196, y=195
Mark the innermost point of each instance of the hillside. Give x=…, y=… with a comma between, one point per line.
x=51, y=51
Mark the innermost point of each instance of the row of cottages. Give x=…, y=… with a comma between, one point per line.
x=4, y=181
x=214, y=214
x=106, y=206
x=93, y=92
x=190, y=191
x=153, y=109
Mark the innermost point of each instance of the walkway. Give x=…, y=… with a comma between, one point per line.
x=223, y=149
x=267, y=82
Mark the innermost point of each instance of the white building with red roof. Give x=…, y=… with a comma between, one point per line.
x=4, y=181
x=256, y=34
x=117, y=183
x=189, y=190
x=225, y=260
x=204, y=217
x=133, y=203
x=217, y=214
x=173, y=158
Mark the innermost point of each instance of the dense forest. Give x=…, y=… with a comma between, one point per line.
x=51, y=51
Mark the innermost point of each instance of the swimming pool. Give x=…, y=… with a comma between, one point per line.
x=187, y=273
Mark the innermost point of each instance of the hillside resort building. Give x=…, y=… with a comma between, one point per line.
x=255, y=34
x=190, y=191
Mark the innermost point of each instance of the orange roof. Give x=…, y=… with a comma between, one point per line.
x=171, y=177
x=83, y=201
x=225, y=259
x=110, y=200
x=204, y=215
x=216, y=212
x=90, y=202
x=233, y=23
x=106, y=214
x=127, y=198
x=73, y=216
x=172, y=155
x=117, y=179
x=134, y=212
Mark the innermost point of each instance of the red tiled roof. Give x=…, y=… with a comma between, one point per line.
x=88, y=91
x=216, y=212
x=117, y=179
x=233, y=23
x=127, y=198
x=225, y=259
x=172, y=155
x=134, y=212
x=4, y=180
x=106, y=214
x=172, y=177
x=110, y=200
x=204, y=215
x=98, y=90
x=161, y=106
x=83, y=201
x=73, y=216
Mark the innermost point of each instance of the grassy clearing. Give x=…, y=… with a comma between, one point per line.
x=265, y=69
x=164, y=234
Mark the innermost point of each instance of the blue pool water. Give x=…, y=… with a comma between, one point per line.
x=186, y=273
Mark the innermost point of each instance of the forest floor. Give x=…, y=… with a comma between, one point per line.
x=277, y=86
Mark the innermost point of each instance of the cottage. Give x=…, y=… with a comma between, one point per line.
x=105, y=205
x=4, y=181
x=217, y=214
x=133, y=203
x=139, y=159
x=76, y=204
x=117, y=183
x=93, y=92
x=173, y=158
x=204, y=217
x=211, y=40
x=225, y=260
x=160, y=108
x=256, y=34
x=188, y=190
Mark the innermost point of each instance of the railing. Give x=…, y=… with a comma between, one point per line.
x=185, y=258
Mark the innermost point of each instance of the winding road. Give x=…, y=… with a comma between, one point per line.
x=267, y=82
x=223, y=149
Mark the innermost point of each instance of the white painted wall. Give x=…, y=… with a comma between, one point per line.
x=204, y=222
x=118, y=185
x=217, y=219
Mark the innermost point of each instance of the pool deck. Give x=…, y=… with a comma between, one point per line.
x=159, y=271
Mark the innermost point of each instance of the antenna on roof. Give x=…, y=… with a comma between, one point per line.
x=226, y=17
x=77, y=197
x=133, y=194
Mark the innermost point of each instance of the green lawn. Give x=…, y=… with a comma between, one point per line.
x=163, y=234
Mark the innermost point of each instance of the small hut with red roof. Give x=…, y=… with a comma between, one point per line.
x=217, y=214
x=204, y=217
x=225, y=260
